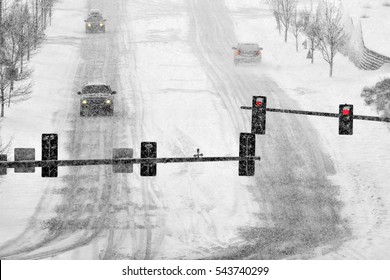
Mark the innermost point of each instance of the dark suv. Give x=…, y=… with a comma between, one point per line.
x=96, y=99
x=95, y=22
x=247, y=52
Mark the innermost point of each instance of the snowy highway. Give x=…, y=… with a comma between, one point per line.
x=171, y=63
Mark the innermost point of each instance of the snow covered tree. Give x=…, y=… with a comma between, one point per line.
x=332, y=36
x=286, y=13
x=11, y=54
x=1, y=21
x=298, y=23
x=275, y=7
x=14, y=87
x=46, y=11
x=312, y=31
x=21, y=29
x=379, y=96
x=283, y=11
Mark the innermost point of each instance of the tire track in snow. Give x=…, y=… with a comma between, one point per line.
x=100, y=64
x=292, y=176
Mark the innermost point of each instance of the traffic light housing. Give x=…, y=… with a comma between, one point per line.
x=345, y=119
x=259, y=106
x=3, y=170
x=148, y=150
x=50, y=152
x=247, y=148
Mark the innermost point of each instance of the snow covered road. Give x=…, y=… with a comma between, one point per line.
x=171, y=64
x=298, y=205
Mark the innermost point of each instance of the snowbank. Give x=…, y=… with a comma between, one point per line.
x=42, y=113
x=373, y=16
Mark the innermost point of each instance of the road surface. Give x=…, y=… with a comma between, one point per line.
x=166, y=60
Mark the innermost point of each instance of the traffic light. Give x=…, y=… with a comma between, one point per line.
x=247, y=148
x=3, y=170
x=346, y=119
x=259, y=106
x=148, y=150
x=50, y=152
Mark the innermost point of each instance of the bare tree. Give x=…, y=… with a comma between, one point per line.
x=333, y=35
x=312, y=31
x=12, y=51
x=298, y=23
x=283, y=11
x=21, y=29
x=19, y=87
x=49, y=9
x=286, y=14
x=275, y=7
x=1, y=22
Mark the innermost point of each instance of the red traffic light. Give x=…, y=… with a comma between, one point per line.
x=259, y=102
x=346, y=112
x=345, y=119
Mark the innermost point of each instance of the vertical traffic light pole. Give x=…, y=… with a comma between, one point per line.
x=259, y=109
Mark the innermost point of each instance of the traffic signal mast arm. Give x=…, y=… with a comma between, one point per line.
x=48, y=163
x=323, y=114
x=122, y=158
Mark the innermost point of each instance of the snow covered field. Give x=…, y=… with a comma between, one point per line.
x=373, y=16
x=315, y=195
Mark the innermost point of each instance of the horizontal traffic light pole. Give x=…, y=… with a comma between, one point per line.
x=50, y=163
x=122, y=160
x=322, y=114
